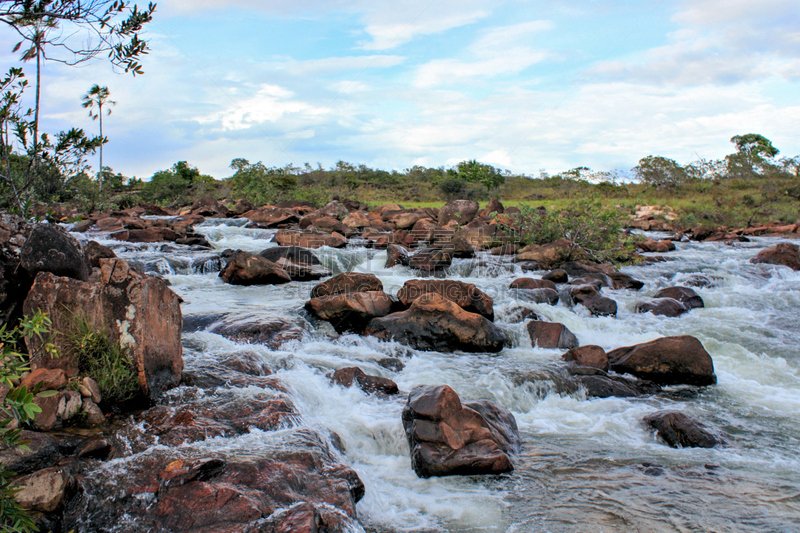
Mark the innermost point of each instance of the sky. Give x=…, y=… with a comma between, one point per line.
x=524, y=85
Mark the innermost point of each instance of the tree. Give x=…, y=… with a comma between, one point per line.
x=98, y=96
x=753, y=152
x=661, y=172
x=475, y=172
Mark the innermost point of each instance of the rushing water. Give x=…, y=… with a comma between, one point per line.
x=585, y=465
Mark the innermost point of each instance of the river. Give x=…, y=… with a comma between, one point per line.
x=585, y=464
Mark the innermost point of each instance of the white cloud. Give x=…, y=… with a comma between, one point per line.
x=335, y=65
x=393, y=27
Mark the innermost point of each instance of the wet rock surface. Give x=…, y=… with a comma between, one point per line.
x=681, y=431
x=449, y=438
x=667, y=361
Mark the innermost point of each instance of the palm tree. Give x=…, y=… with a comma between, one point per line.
x=98, y=96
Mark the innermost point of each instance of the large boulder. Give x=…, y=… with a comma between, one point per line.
x=434, y=323
x=551, y=335
x=15, y=281
x=786, y=254
x=50, y=248
x=432, y=259
x=549, y=255
x=272, y=217
x=530, y=283
x=449, y=438
x=299, y=263
x=681, y=431
x=461, y=211
x=668, y=307
x=589, y=355
x=350, y=311
x=244, y=268
x=396, y=255
x=667, y=361
x=347, y=283
x=139, y=312
x=466, y=295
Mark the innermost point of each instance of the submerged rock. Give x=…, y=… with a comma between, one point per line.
x=433, y=323
x=688, y=297
x=449, y=438
x=348, y=376
x=667, y=361
x=681, y=431
x=668, y=307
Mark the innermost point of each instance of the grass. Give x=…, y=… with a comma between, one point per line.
x=104, y=360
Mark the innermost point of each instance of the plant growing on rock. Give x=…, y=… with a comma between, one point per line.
x=17, y=408
x=104, y=360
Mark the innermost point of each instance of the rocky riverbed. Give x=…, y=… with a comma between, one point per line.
x=327, y=387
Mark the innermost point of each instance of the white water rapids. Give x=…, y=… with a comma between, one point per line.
x=586, y=464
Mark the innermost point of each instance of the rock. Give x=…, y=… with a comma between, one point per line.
x=506, y=249
x=93, y=388
x=549, y=255
x=494, y=206
x=369, y=384
x=357, y=220
x=391, y=363
x=146, y=235
x=303, y=272
x=310, y=239
x=434, y=323
x=606, y=274
x=334, y=209
x=153, y=209
x=688, y=297
x=599, y=384
x=551, y=335
x=272, y=332
x=668, y=307
x=95, y=252
x=666, y=361
x=47, y=419
x=326, y=225
x=43, y=491
x=651, y=245
x=210, y=207
x=243, y=205
x=539, y=296
x=94, y=415
x=55, y=379
x=432, y=259
x=43, y=450
x=181, y=490
x=465, y=295
x=558, y=275
x=601, y=306
x=583, y=292
x=69, y=404
x=681, y=431
x=447, y=438
x=786, y=254
x=589, y=355
x=350, y=311
x=109, y=224
x=462, y=211
x=244, y=268
x=346, y=283
x=530, y=283
x=403, y=219
x=139, y=312
x=49, y=248
x=396, y=255
x=293, y=253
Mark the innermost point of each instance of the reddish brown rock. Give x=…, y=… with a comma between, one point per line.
x=350, y=311
x=346, y=283
x=460, y=211
x=530, y=283
x=549, y=255
x=667, y=361
x=310, y=239
x=786, y=254
x=465, y=295
x=271, y=217
x=590, y=355
x=155, y=234
x=55, y=379
x=140, y=312
x=396, y=255
x=43, y=491
x=551, y=335
x=668, y=307
x=432, y=259
x=50, y=248
x=95, y=252
x=346, y=377
x=449, y=438
x=244, y=268
x=433, y=323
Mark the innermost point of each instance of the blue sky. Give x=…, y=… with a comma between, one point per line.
x=520, y=84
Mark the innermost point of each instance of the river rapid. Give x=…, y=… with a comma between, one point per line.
x=585, y=464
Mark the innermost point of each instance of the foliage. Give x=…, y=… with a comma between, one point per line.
x=98, y=96
x=595, y=230
x=261, y=184
x=661, y=172
x=178, y=185
x=42, y=165
x=475, y=172
x=17, y=409
x=104, y=360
